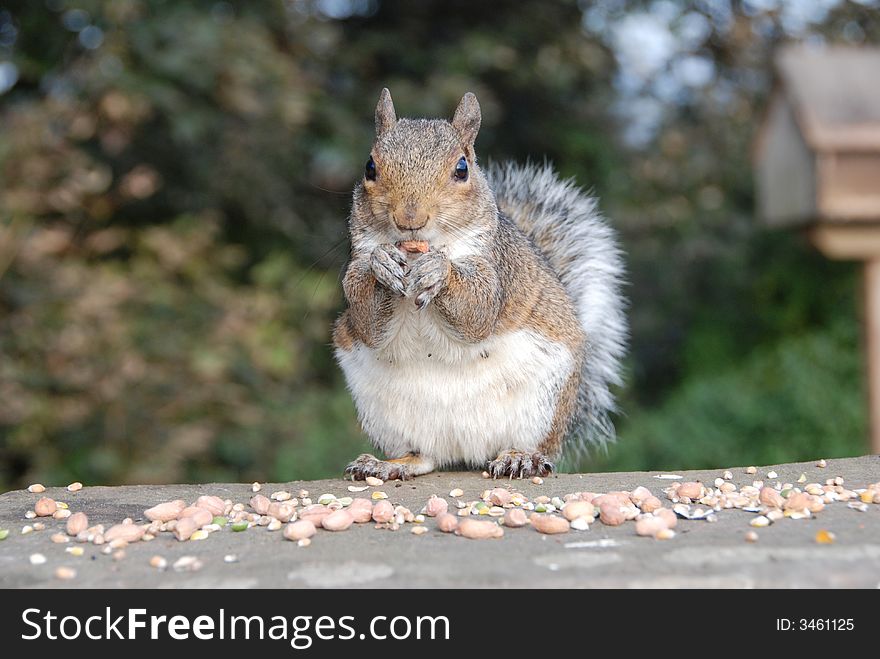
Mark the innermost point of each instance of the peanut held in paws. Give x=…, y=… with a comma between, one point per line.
x=413, y=246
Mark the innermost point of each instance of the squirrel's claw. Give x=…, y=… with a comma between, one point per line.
x=389, y=268
x=369, y=465
x=428, y=276
x=520, y=464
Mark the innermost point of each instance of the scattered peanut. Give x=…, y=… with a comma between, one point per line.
x=338, y=521
x=214, y=505
x=576, y=509
x=165, y=512
x=383, y=512
x=476, y=530
x=260, y=504
x=515, y=518
x=299, y=530
x=45, y=507
x=447, y=523
x=65, y=573
x=550, y=524
x=611, y=515
x=127, y=532
x=650, y=525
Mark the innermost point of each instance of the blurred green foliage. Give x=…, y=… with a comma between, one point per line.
x=174, y=181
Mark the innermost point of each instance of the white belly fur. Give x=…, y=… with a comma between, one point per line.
x=455, y=405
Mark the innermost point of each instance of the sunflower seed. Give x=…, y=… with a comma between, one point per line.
x=752, y=470
x=457, y=492
x=74, y=551
x=760, y=521
x=419, y=530
x=378, y=495
x=230, y=558
x=354, y=488
x=822, y=463
x=37, y=559
x=305, y=542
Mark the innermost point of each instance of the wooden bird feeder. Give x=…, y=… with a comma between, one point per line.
x=817, y=169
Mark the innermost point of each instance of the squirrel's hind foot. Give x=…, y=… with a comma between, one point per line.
x=520, y=464
x=388, y=470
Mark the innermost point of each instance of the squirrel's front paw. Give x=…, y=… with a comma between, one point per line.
x=428, y=276
x=389, y=268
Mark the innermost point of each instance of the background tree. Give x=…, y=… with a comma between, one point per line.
x=174, y=181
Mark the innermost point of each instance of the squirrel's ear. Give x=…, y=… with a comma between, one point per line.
x=385, y=116
x=467, y=119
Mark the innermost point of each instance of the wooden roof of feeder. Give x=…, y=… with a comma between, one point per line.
x=817, y=156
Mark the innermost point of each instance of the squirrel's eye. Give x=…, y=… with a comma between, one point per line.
x=370, y=170
x=461, y=169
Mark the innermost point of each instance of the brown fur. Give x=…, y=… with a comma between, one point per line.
x=507, y=286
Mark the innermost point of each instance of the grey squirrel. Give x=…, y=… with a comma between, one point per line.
x=485, y=318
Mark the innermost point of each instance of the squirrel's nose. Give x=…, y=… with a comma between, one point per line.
x=410, y=218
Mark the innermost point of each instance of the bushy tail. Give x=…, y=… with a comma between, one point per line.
x=565, y=224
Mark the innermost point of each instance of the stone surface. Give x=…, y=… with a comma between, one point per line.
x=701, y=555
